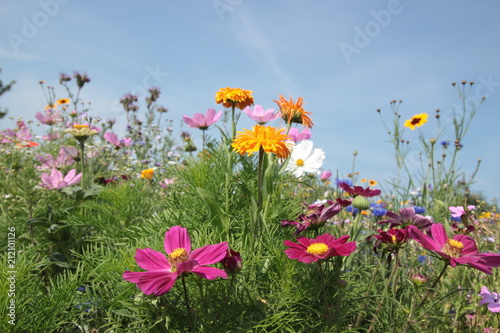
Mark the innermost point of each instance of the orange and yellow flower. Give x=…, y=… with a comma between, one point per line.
x=416, y=121
x=234, y=96
x=148, y=173
x=268, y=138
x=293, y=112
x=62, y=101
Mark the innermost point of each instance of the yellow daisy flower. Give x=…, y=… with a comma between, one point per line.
x=239, y=97
x=416, y=121
x=62, y=101
x=267, y=138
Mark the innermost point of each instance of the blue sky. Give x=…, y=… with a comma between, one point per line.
x=345, y=58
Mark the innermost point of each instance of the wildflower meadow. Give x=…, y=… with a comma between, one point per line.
x=150, y=228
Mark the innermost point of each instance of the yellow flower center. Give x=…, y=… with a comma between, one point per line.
x=393, y=237
x=453, y=248
x=177, y=256
x=300, y=162
x=80, y=126
x=317, y=248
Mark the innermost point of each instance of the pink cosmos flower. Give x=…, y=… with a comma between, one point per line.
x=322, y=247
x=316, y=216
x=325, y=175
x=165, y=183
x=459, y=210
x=259, y=115
x=21, y=133
x=49, y=117
x=490, y=298
x=162, y=272
x=406, y=217
x=461, y=250
x=202, y=121
x=64, y=158
x=113, y=139
x=297, y=136
x=56, y=180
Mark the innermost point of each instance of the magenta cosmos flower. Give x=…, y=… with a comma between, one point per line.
x=461, y=250
x=407, y=217
x=162, y=272
x=490, y=298
x=315, y=217
x=260, y=115
x=56, y=180
x=322, y=247
x=201, y=120
x=358, y=190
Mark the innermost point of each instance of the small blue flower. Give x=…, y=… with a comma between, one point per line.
x=345, y=181
x=422, y=258
x=419, y=210
x=351, y=209
x=379, y=211
x=445, y=143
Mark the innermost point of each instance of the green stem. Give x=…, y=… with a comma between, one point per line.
x=323, y=289
x=186, y=298
x=82, y=160
x=433, y=285
x=260, y=176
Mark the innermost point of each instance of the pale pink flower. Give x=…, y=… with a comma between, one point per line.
x=112, y=138
x=203, y=121
x=490, y=298
x=297, y=136
x=260, y=115
x=459, y=210
x=56, y=180
x=49, y=117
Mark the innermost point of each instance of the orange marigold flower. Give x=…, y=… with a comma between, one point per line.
x=267, y=138
x=293, y=112
x=239, y=97
x=372, y=182
x=416, y=121
x=26, y=144
x=147, y=174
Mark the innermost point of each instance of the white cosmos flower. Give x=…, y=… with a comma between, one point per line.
x=305, y=158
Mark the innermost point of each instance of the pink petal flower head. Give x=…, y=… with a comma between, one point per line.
x=202, y=121
x=315, y=218
x=358, y=190
x=457, y=211
x=322, y=247
x=162, y=272
x=113, y=139
x=260, y=115
x=165, y=183
x=56, y=181
x=325, y=175
x=460, y=250
x=49, y=117
x=297, y=136
x=406, y=217
x=492, y=299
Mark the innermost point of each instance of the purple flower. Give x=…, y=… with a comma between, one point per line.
x=297, y=136
x=315, y=218
x=56, y=180
x=260, y=115
x=492, y=299
x=407, y=217
x=202, y=121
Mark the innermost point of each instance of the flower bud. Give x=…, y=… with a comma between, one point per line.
x=418, y=279
x=232, y=262
x=361, y=203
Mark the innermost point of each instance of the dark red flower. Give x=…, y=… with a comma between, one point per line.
x=359, y=190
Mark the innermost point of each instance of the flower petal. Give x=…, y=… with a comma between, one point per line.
x=175, y=238
x=152, y=282
x=151, y=260
x=209, y=273
x=210, y=254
